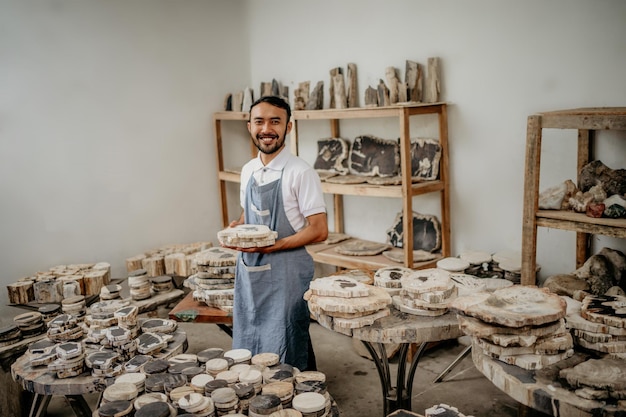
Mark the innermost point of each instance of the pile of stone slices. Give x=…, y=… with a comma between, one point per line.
x=342, y=303
x=214, y=282
x=518, y=325
x=247, y=236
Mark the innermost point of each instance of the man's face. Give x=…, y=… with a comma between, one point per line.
x=268, y=127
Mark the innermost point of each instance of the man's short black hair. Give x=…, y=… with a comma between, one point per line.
x=275, y=101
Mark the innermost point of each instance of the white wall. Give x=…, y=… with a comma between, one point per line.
x=106, y=147
x=501, y=61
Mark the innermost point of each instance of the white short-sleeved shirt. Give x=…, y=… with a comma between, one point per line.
x=301, y=186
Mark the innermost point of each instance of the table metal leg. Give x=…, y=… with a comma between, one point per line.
x=226, y=329
x=39, y=405
x=398, y=397
x=453, y=364
x=79, y=405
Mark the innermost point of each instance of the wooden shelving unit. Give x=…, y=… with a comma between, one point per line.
x=587, y=121
x=406, y=191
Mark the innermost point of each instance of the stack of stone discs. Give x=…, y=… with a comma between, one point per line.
x=600, y=325
x=64, y=327
x=156, y=409
x=239, y=355
x=215, y=366
x=139, y=284
x=343, y=303
x=506, y=259
x=280, y=372
x=282, y=389
x=30, y=324
x=199, y=382
x=104, y=363
x=136, y=363
x=208, y=354
x=121, y=341
x=163, y=326
x=102, y=314
x=426, y=292
x=42, y=352
x=147, y=398
x=213, y=385
x=136, y=378
x=225, y=401
x=110, y=292
x=150, y=343
x=175, y=394
x=311, y=404
x=161, y=284
x=127, y=319
x=245, y=392
x=263, y=405
x=214, y=282
x=49, y=311
x=312, y=385
x=10, y=334
x=115, y=409
x=120, y=391
x=75, y=306
x=479, y=263
x=197, y=404
x=389, y=278
x=253, y=377
x=70, y=360
x=518, y=325
x=247, y=236
x=266, y=359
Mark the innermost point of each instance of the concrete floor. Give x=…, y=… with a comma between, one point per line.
x=354, y=384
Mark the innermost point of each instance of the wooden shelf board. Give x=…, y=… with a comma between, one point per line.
x=231, y=115
x=381, y=190
x=367, y=112
x=578, y=222
x=593, y=118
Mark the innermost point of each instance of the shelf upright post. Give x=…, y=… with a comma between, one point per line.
x=407, y=187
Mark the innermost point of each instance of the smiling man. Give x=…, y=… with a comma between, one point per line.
x=283, y=192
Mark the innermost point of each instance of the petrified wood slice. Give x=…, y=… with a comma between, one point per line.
x=360, y=275
x=332, y=155
x=347, y=179
x=21, y=292
x=400, y=305
x=338, y=286
x=479, y=328
x=425, y=158
x=452, y=264
x=414, y=81
x=426, y=232
x=248, y=99
x=324, y=175
x=467, y=284
x=434, y=297
x=334, y=237
x=376, y=300
x=576, y=321
x=426, y=280
x=48, y=291
x=301, y=95
x=597, y=337
x=352, y=91
x=433, y=81
x=606, y=347
x=371, y=97
x=372, y=156
x=395, y=180
x=397, y=255
x=610, y=310
x=341, y=101
x=605, y=373
x=514, y=306
x=216, y=257
x=546, y=346
x=355, y=323
x=535, y=362
x=393, y=83
x=154, y=265
x=383, y=94
x=331, y=88
x=390, y=277
x=316, y=100
x=565, y=284
x=237, y=101
x=357, y=247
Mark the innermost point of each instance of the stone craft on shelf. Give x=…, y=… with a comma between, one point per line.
x=247, y=236
x=373, y=156
x=425, y=158
x=497, y=321
x=397, y=255
x=346, y=179
x=426, y=232
x=358, y=247
x=602, y=272
x=173, y=260
x=332, y=156
x=334, y=237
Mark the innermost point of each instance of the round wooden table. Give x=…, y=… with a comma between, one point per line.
x=44, y=384
x=542, y=389
x=403, y=329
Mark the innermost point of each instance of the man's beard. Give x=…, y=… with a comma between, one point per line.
x=269, y=149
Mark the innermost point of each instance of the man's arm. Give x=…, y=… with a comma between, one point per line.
x=315, y=231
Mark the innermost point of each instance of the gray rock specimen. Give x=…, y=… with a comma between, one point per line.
x=426, y=232
x=371, y=97
x=413, y=79
x=331, y=87
x=371, y=156
x=352, y=91
x=332, y=155
x=557, y=197
x=301, y=95
x=383, y=94
x=604, y=270
x=248, y=99
x=595, y=172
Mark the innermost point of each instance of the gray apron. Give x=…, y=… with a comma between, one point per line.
x=270, y=314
